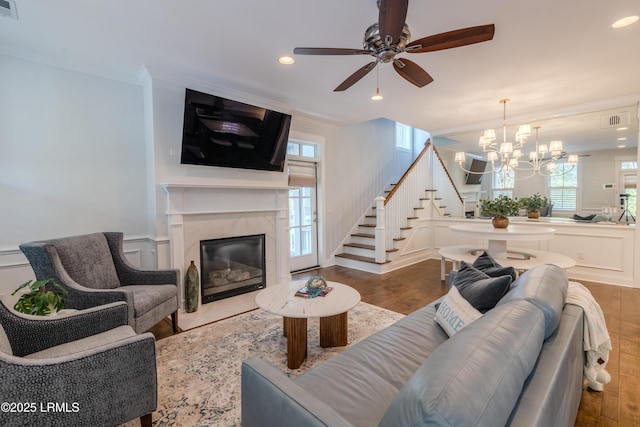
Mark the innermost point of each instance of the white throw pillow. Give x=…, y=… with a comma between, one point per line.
x=455, y=312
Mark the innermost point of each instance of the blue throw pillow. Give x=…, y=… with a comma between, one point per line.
x=490, y=266
x=481, y=290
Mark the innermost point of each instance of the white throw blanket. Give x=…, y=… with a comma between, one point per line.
x=596, y=342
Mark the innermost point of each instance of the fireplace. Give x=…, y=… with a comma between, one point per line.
x=231, y=266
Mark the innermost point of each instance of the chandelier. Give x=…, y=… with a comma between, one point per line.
x=508, y=156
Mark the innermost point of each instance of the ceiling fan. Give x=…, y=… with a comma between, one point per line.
x=390, y=36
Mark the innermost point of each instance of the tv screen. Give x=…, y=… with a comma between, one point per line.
x=476, y=166
x=221, y=132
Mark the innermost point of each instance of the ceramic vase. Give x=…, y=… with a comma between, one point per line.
x=192, y=289
x=500, y=222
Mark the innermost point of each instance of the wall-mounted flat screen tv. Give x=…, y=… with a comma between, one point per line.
x=477, y=166
x=222, y=132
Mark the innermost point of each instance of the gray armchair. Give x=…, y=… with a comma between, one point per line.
x=91, y=364
x=94, y=270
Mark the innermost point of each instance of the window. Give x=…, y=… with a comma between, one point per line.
x=302, y=149
x=502, y=183
x=404, y=137
x=563, y=187
x=628, y=183
x=629, y=165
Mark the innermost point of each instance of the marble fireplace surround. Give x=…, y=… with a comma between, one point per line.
x=203, y=212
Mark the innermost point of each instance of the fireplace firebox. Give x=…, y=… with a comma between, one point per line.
x=231, y=266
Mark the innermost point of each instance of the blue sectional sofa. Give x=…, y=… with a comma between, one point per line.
x=519, y=364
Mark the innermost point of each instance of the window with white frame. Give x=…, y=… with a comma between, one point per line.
x=629, y=185
x=404, y=137
x=301, y=149
x=563, y=187
x=502, y=183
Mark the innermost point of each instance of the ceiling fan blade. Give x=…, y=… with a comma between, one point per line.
x=450, y=39
x=329, y=51
x=391, y=18
x=412, y=72
x=353, y=78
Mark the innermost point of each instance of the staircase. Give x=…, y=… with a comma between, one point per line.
x=379, y=239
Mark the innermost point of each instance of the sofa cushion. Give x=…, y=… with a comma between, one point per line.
x=475, y=377
x=480, y=289
x=454, y=312
x=546, y=287
x=87, y=259
x=88, y=343
x=489, y=266
x=362, y=381
x=148, y=297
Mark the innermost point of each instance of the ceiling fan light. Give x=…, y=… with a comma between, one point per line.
x=377, y=96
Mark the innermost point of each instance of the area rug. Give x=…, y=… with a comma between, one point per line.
x=199, y=370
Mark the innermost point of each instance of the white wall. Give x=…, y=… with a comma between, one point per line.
x=361, y=161
x=72, y=157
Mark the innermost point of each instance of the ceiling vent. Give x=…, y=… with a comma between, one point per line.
x=622, y=118
x=8, y=9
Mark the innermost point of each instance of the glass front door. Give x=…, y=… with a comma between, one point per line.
x=303, y=230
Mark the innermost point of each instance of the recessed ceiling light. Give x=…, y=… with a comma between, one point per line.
x=622, y=139
x=625, y=21
x=622, y=128
x=621, y=146
x=286, y=60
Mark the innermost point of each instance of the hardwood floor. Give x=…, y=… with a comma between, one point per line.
x=410, y=288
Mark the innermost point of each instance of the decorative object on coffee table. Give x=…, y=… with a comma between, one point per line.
x=39, y=301
x=192, y=290
x=316, y=286
x=282, y=300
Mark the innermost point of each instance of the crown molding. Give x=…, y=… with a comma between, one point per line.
x=588, y=107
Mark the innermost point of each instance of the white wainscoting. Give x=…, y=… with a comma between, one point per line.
x=603, y=253
x=15, y=268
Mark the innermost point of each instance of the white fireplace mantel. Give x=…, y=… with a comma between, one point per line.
x=262, y=209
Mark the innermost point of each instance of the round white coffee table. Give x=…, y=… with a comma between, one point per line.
x=331, y=309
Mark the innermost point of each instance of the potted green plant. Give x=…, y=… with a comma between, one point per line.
x=500, y=208
x=40, y=301
x=533, y=204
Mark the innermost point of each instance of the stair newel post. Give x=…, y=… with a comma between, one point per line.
x=381, y=252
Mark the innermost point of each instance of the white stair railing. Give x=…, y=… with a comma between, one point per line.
x=393, y=212
x=450, y=197
x=406, y=194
